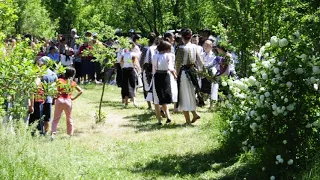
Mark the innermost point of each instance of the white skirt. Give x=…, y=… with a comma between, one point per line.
x=214, y=91
x=145, y=82
x=174, y=88
x=187, y=96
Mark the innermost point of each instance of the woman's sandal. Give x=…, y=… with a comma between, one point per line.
x=195, y=119
x=168, y=121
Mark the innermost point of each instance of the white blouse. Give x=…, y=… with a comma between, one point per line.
x=163, y=62
x=128, y=59
x=152, y=50
x=208, y=59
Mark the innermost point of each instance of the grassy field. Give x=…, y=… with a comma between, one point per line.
x=129, y=145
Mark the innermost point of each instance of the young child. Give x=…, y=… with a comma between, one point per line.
x=210, y=64
x=65, y=85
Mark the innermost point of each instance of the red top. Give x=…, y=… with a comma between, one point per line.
x=65, y=88
x=39, y=97
x=85, y=48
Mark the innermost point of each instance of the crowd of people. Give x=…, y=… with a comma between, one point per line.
x=178, y=68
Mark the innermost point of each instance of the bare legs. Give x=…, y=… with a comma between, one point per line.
x=165, y=110
x=187, y=117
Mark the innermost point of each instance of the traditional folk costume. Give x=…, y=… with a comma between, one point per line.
x=187, y=57
x=163, y=67
x=210, y=65
x=147, y=67
x=129, y=78
x=224, y=68
x=118, y=67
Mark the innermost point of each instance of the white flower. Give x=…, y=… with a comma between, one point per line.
x=315, y=87
x=261, y=97
x=290, y=162
x=245, y=148
x=276, y=70
x=303, y=56
x=264, y=116
x=231, y=123
x=289, y=84
x=283, y=42
x=313, y=79
x=266, y=55
x=258, y=118
x=252, y=113
x=267, y=44
x=285, y=72
x=245, y=143
x=299, y=71
x=254, y=126
x=296, y=36
x=267, y=94
x=286, y=100
x=277, y=162
x=316, y=70
x=272, y=178
x=253, y=65
x=263, y=169
x=290, y=107
x=224, y=84
x=315, y=124
x=274, y=41
x=280, y=160
x=274, y=106
x=266, y=64
x=225, y=133
x=254, y=69
x=252, y=80
x=262, y=49
x=235, y=116
x=253, y=149
x=278, y=157
x=272, y=60
x=231, y=129
x=275, y=113
x=284, y=141
x=308, y=125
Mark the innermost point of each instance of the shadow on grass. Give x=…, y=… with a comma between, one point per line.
x=147, y=122
x=190, y=164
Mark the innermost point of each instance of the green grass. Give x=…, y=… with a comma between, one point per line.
x=127, y=146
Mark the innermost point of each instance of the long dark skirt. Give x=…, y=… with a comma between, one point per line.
x=128, y=84
x=205, y=86
x=119, y=74
x=162, y=85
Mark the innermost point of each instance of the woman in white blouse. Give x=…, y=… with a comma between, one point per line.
x=188, y=60
x=129, y=60
x=164, y=74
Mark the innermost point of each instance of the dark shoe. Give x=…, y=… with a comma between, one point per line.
x=159, y=123
x=195, y=119
x=168, y=121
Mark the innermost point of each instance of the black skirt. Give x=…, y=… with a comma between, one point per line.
x=119, y=74
x=162, y=84
x=205, y=86
x=128, y=83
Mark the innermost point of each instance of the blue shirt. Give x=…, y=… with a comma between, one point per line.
x=55, y=57
x=50, y=77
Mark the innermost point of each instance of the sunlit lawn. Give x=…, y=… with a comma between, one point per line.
x=129, y=145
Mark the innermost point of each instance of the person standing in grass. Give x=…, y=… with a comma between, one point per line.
x=164, y=73
x=65, y=87
x=128, y=85
x=187, y=59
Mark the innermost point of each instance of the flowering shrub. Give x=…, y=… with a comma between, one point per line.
x=274, y=114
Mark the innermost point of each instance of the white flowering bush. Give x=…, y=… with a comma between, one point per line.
x=274, y=114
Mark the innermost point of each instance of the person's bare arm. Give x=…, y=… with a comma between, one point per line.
x=79, y=93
